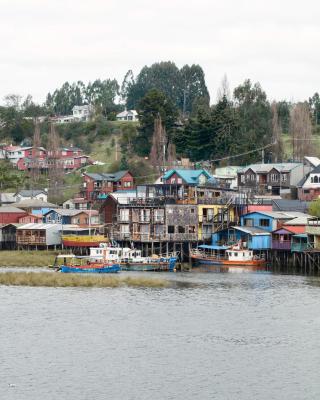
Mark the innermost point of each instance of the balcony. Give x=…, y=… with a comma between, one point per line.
x=281, y=244
x=35, y=240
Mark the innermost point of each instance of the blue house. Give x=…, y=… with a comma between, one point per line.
x=59, y=216
x=191, y=177
x=265, y=220
x=250, y=237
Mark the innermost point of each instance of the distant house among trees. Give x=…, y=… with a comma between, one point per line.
x=127, y=115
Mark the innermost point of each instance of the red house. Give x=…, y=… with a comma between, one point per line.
x=96, y=185
x=11, y=214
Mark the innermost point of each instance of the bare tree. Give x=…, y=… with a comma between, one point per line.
x=224, y=89
x=157, y=153
x=55, y=166
x=35, y=161
x=301, y=131
x=276, y=134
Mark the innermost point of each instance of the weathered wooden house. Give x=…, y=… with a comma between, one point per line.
x=8, y=236
x=38, y=236
x=275, y=179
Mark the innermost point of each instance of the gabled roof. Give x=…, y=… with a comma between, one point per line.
x=31, y=193
x=190, y=176
x=272, y=214
x=314, y=161
x=112, y=177
x=265, y=168
x=126, y=113
x=316, y=170
x=71, y=212
x=7, y=197
x=34, y=203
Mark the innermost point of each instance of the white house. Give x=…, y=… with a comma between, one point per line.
x=82, y=113
x=128, y=115
x=37, y=194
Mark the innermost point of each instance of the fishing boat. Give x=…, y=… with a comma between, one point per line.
x=226, y=255
x=131, y=259
x=70, y=263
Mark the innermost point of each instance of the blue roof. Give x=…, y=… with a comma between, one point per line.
x=301, y=235
x=212, y=247
x=190, y=176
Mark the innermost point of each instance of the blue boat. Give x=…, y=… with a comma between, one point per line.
x=104, y=269
x=76, y=264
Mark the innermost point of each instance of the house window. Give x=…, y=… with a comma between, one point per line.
x=242, y=178
x=264, y=222
x=274, y=177
x=179, y=180
x=316, y=180
x=248, y=222
x=306, y=191
x=181, y=229
x=127, y=184
x=283, y=178
x=252, y=177
x=170, y=228
x=192, y=210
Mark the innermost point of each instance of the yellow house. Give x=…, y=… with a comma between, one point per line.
x=213, y=217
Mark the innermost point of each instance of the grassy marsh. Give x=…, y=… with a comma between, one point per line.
x=56, y=279
x=35, y=258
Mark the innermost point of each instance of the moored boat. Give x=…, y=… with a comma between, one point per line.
x=131, y=259
x=75, y=264
x=226, y=255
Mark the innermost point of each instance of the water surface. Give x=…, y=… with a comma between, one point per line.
x=210, y=336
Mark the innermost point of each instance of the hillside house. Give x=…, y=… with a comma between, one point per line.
x=97, y=184
x=37, y=194
x=309, y=186
x=188, y=177
x=128, y=115
x=35, y=206
x=274, y=179
x=72, y=217
x=82, y=113
x=78, y=203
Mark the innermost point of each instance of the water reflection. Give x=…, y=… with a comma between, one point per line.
x=230, y=269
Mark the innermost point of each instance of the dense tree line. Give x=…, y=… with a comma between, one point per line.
x=237, y=123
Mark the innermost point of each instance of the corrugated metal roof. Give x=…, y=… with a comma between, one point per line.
x=281, y=167
x=35, y=203
x=190, y=176
x=35, y=226
x=251, y=230
x=113, y=177
x=10, y=209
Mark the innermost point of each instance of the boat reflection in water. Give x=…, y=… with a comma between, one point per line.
x=231, y=268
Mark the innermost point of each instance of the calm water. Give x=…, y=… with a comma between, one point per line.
x=213, y=336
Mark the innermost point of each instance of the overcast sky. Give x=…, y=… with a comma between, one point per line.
x=47, y=42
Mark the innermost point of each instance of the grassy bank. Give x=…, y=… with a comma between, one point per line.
x=56, y=279
x=26, y=258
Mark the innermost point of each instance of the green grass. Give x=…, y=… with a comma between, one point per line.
x=27, y=258
x=287, y=146
x=57, y=279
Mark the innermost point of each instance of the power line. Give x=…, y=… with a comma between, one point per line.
x=245, y=153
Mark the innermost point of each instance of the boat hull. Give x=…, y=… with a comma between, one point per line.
x=212, y=261
x=91, y=270
x=165, y=265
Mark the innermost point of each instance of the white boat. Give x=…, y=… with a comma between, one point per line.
x=132, y=259
x=225, y=255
